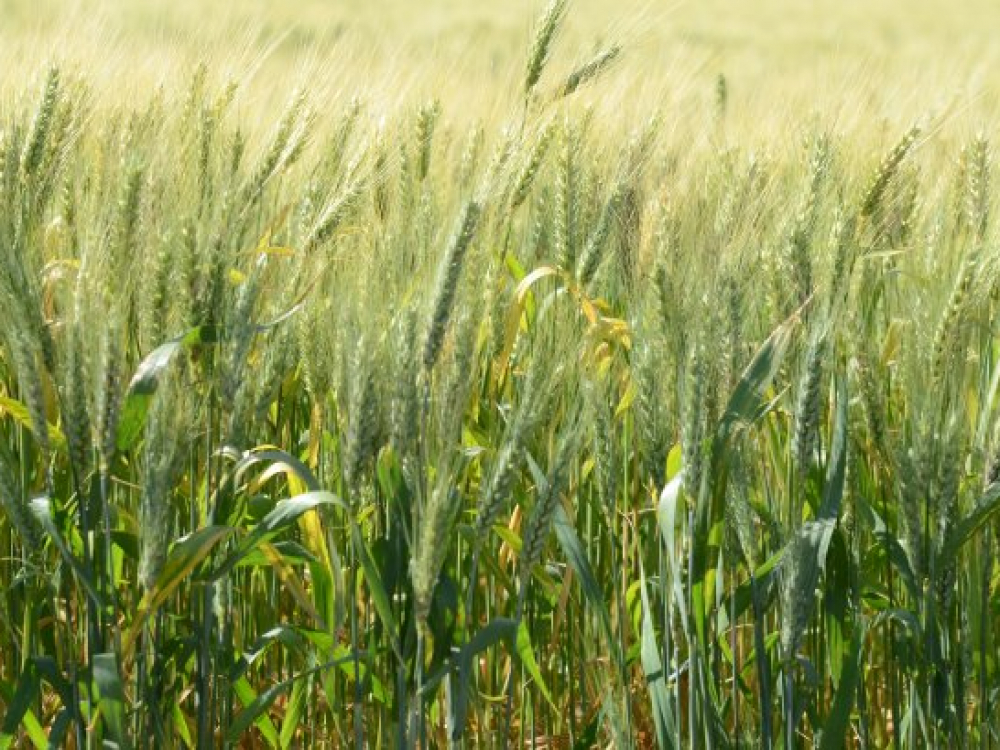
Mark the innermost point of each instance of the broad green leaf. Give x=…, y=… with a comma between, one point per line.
x=280, y=462
x=747, y=404
x=291, y=552
x=748, y=401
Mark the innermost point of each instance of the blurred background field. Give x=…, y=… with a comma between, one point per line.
x=851, y=59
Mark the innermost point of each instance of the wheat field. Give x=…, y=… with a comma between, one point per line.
x=473, y=375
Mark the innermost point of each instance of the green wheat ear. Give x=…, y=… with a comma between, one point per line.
x=541, y=43
x=37, y=142
x=887, y=169
x=447, y=284
x=532, y=165
x=591, y=69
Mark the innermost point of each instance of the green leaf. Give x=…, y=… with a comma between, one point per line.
x=57, y=730
x=186, y=554
x=291, y=552
x=748, y=401
x=985, y=509
x=522, y=646
x=379, y=596
x=26, y=693
x=181, y=726
x=291, y=720
x=291, y=637
x=285, y=513
x=576, y=556
x=41, y=508
x=111, y=698
x=288, y=511
x=666, y=515
x=140, y=394
x=254, y=711
x=835, y=729
x=895, y=551
x=19, y=713
x=265, y=700
x=809, y=546
x=19, y=413
x=836, y=605
x=652, y=667
x=146, y=380
x=833, y=490
x=247, y=696
x=588, y=737
x=48, y=671
x=747, y=404
x=500, y=629
x=280, y=461
x=495, y=631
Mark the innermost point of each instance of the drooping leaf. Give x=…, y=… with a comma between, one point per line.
x=986, y=508
x=19, y=413
x=41, y=508
x=186, y=554
x=146, y=380
x=285, y=513
x=748, y=401
x=281, y=462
